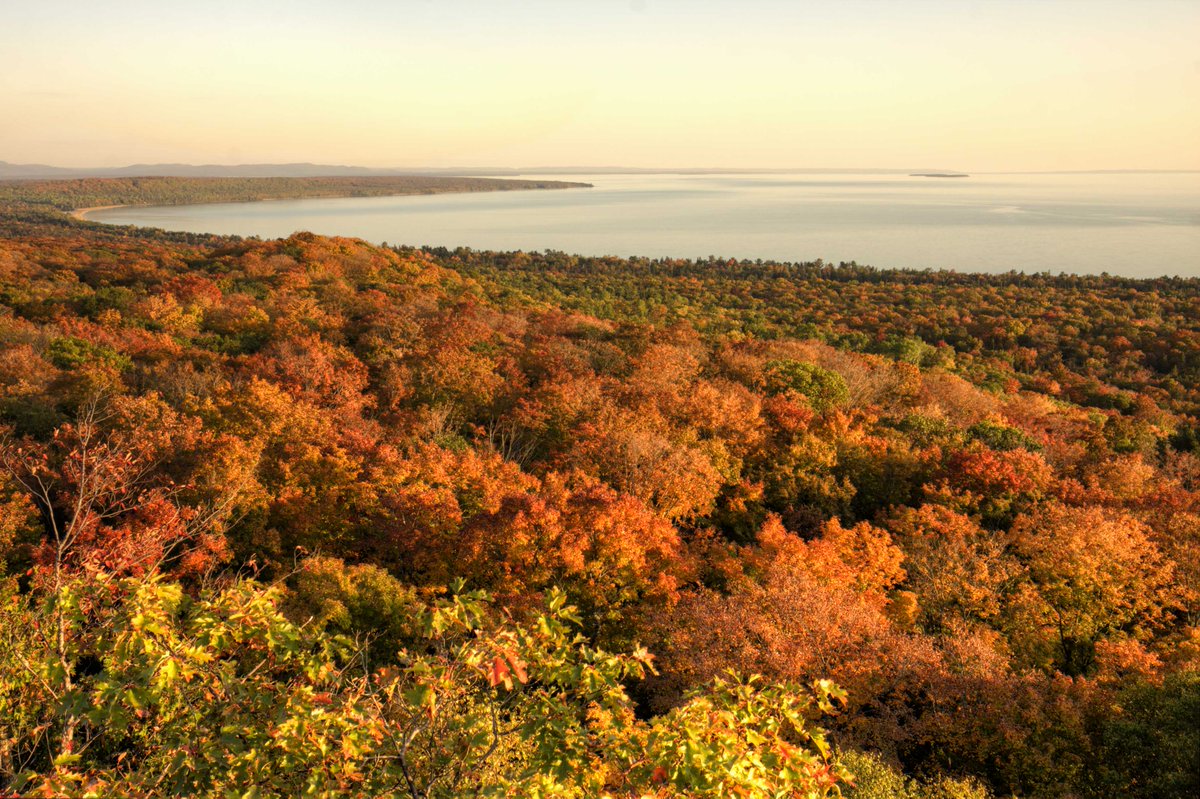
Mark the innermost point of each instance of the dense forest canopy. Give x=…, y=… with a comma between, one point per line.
x=315, y=517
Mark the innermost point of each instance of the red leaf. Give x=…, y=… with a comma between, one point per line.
x=499, y=673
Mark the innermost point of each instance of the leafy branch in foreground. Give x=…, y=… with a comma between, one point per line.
x=222, y=694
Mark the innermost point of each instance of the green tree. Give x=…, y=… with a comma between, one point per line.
x=222, y=695
x=823, y=388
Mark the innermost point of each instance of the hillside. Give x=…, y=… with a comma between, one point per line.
x=242, y=481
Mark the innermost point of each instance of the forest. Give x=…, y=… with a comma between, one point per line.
x=312, y=517
x=68, y=195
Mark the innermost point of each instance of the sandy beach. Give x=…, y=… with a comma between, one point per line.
x=81, y=213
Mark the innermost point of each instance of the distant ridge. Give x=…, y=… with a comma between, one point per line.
x=43, y=171
x=10, y=171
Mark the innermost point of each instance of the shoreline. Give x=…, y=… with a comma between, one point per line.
x=81, y=213
x=503, y=185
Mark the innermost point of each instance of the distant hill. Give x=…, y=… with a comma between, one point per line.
x=43, y=171
x=307, y=170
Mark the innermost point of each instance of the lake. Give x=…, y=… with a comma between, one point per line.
x=1136, y=225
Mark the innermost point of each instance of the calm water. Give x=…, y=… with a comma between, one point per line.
x=1134, y=225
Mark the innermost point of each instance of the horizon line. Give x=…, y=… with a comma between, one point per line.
x=582, y=169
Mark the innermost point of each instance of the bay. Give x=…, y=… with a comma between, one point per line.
x=1129, y=224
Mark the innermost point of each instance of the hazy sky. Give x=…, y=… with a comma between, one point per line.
x=974, y=84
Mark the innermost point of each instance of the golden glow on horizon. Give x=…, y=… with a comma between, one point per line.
x=966, y=85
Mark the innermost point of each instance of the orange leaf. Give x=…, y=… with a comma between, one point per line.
x=499, y=673
x=518, y=668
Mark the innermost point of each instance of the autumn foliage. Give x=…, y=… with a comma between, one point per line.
x=326, y=518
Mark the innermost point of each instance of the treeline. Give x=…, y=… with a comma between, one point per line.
x=1097, y=341
x=314, y=517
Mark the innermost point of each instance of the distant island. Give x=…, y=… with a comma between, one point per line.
x=938, y=175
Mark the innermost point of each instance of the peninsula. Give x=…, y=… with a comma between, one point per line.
x=79, y=196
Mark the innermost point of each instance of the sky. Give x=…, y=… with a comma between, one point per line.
x=977, y=85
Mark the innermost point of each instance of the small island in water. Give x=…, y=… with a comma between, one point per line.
x=938, y=175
